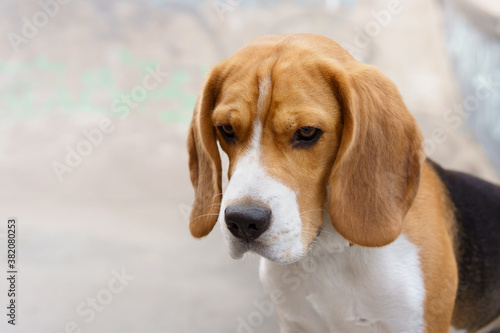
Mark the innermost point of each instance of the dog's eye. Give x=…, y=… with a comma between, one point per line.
x=228, y=129
x=227, y=132
x=307, y=133
x=306, y=136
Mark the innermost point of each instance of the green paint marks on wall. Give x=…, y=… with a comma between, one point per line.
x=40, y=86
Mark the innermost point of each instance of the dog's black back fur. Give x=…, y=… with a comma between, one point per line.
x=477, y=211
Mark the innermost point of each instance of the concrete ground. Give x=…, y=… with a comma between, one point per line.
x=103, y=240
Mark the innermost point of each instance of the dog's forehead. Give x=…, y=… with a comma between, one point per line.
x=278, y=82
x=272, y=85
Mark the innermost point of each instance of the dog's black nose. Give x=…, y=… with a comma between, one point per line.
x=247, y=222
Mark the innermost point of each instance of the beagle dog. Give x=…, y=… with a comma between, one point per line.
x=329, y=183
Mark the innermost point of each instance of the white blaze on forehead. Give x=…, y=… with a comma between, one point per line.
x=254, y=148
x=264, y=98
x=263, y=102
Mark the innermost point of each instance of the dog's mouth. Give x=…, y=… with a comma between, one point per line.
x=238, y=247
x=286, y=251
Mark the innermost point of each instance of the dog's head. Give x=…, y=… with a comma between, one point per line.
x=302, y=122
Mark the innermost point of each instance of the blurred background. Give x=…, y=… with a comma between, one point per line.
x=95, y=102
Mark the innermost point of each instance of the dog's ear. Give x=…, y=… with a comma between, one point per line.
x=376, y=174
x=204, y=161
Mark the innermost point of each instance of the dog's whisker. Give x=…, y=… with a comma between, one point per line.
x=310, y=210
x=315, y=223
x=323, y=231
x=202, y=216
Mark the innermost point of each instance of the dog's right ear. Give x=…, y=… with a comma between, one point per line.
x=204, y=160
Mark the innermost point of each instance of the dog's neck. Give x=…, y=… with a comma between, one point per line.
x=334, y=275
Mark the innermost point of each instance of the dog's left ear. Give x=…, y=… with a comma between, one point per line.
x=376, y=174
x=204, y=161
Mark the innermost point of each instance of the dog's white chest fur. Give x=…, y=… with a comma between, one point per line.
x=342, y=288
